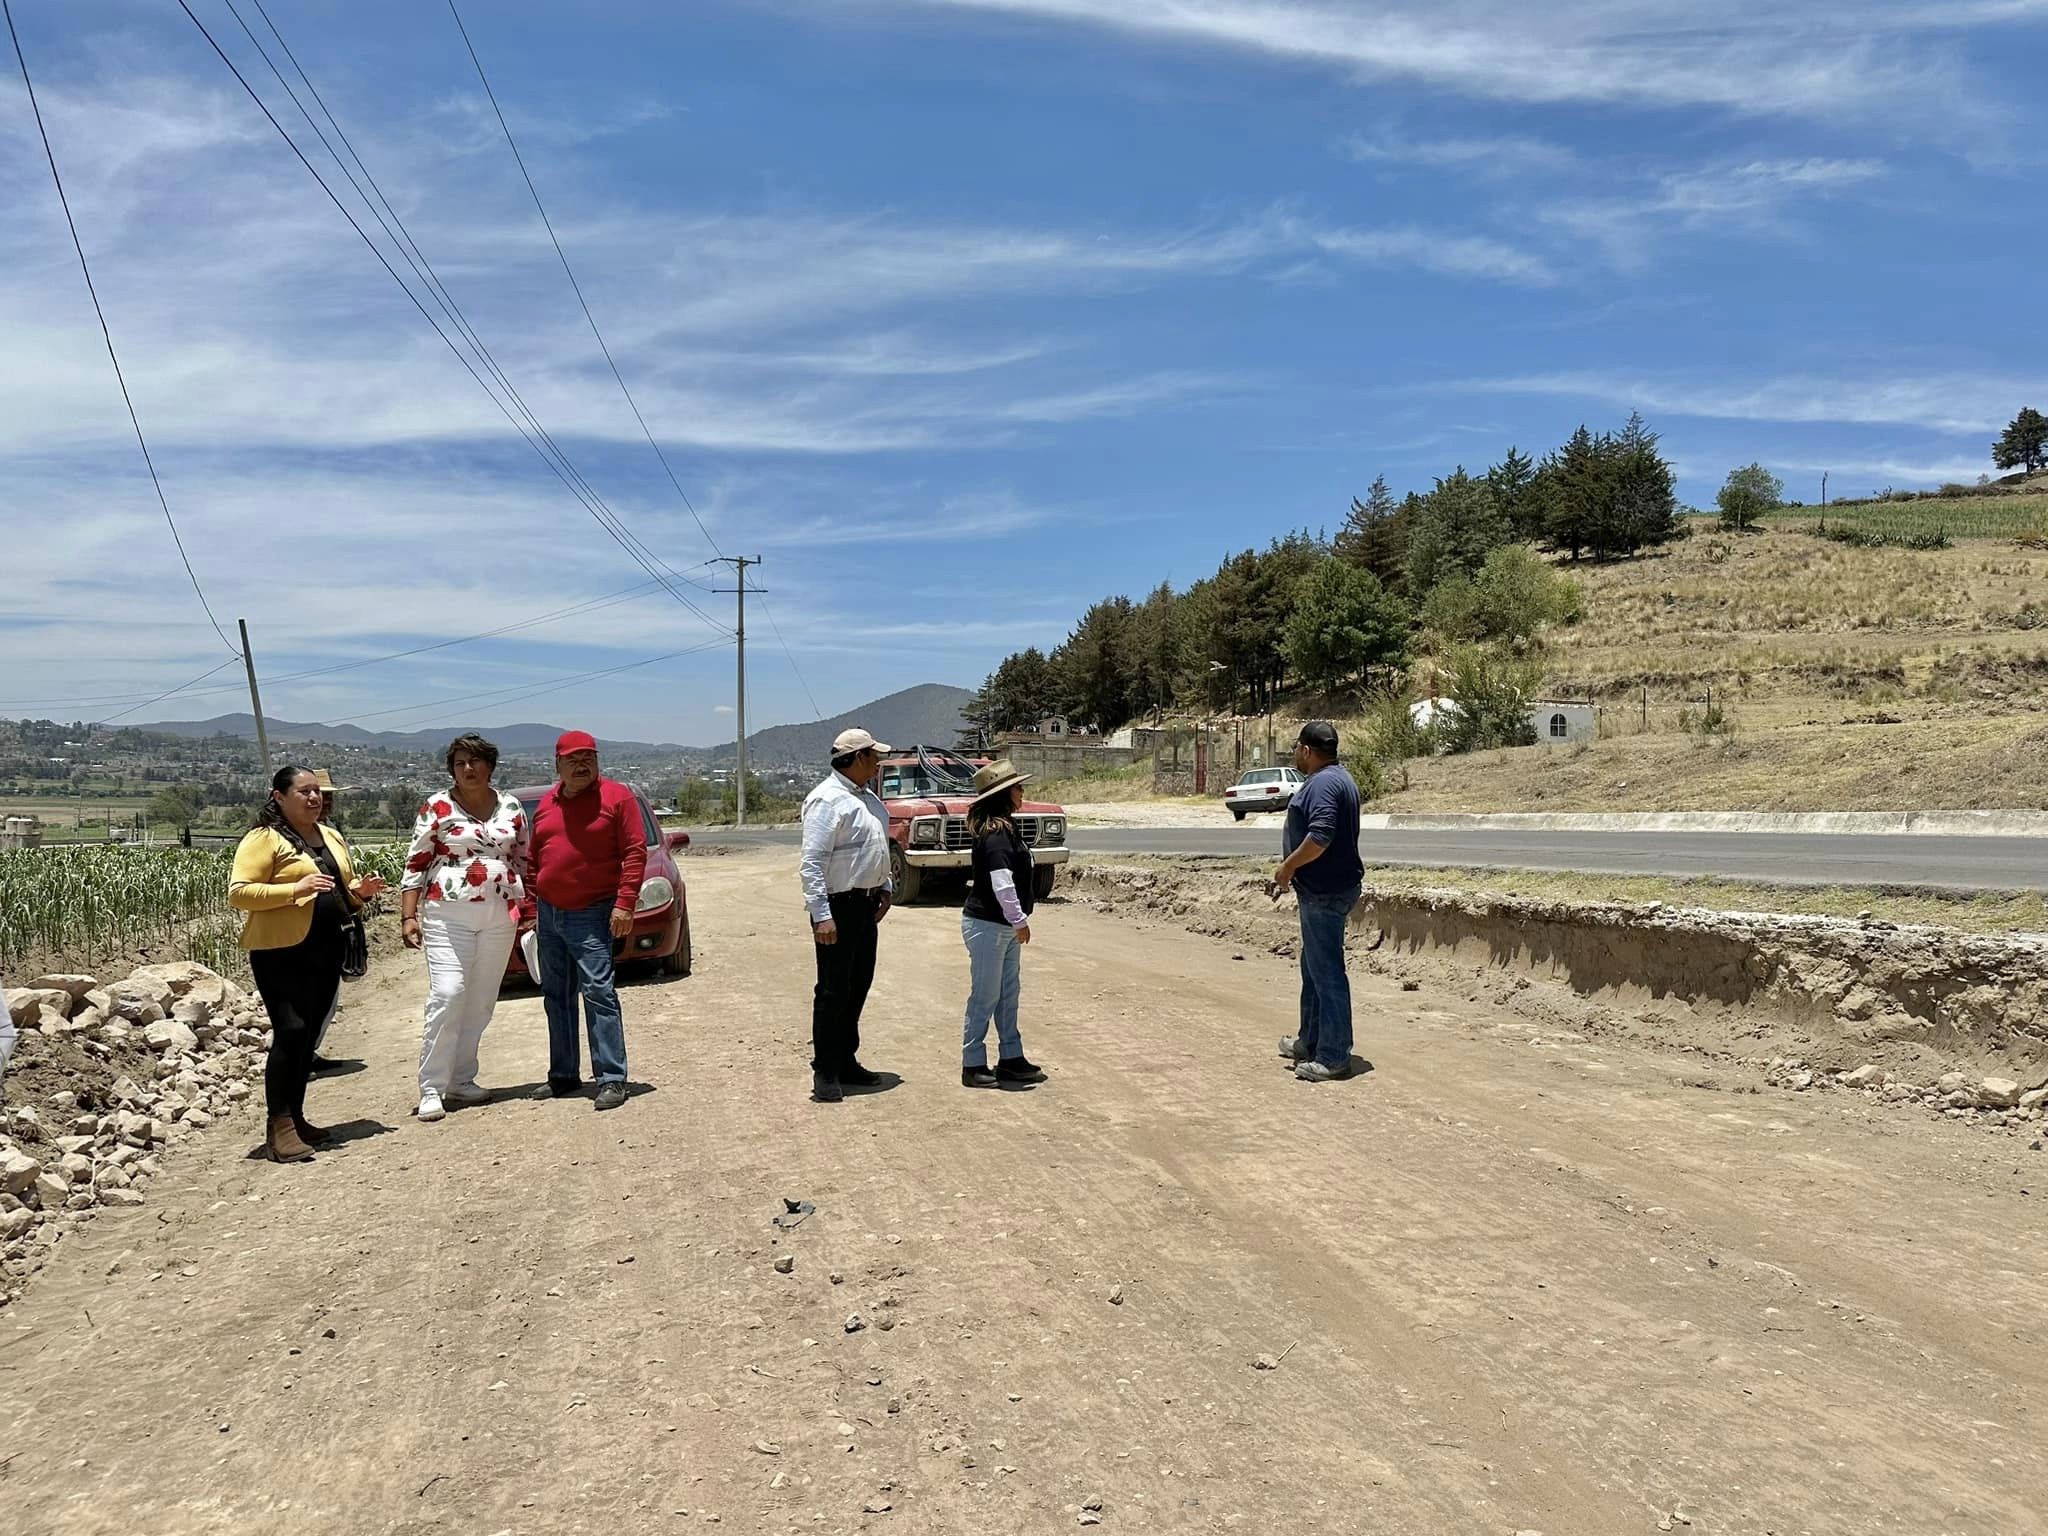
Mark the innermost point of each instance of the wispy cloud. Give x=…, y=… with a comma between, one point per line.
x=1873, y=59
x=1757, y=197
x=1958, y=403
x=1508, y=155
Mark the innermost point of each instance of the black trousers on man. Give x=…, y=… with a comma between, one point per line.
x=846, y=970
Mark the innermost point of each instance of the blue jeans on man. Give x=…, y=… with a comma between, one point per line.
x=1325, y=988
x=575, y=947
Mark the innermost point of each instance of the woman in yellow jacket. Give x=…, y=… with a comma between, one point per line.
x=293, y=878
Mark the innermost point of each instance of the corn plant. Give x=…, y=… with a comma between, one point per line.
x=77, y=900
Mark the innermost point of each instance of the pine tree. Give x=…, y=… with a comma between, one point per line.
x=2024, y=443
x=1457, y=526
x=1374, y=537
x=1512, y=481
x=1644, y=510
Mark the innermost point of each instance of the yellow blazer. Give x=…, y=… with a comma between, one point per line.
x=267, y=866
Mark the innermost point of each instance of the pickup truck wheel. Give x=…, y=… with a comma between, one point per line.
x=908, y=877
x=1042, y=880
x=678, y=963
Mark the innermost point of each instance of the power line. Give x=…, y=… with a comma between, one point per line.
x=589, y=605
x=108, y=335
x=409, y=248
x=202, y=677
x=494, y=699
x=593, y=504
x=816, y=712
x=549, y=224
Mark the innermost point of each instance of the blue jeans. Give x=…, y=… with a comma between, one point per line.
x=1325, y=989
x=576, y=958
x=995, y=975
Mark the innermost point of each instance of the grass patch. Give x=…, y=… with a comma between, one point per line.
x=1959, y=516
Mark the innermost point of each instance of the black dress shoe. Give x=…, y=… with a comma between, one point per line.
x=323, y=1063
x=560, y=1088
x=977, y=1077
x=1018, y=1070
x=825, y=1088
x=854, y=1075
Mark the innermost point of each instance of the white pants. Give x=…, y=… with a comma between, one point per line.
x=467, y=943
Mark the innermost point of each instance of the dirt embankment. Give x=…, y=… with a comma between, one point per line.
x=1789, y=994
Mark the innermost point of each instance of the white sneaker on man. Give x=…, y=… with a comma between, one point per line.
x=468, y=1093
x=430, y=1106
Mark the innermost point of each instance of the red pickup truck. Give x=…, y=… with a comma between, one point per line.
x=928, y=791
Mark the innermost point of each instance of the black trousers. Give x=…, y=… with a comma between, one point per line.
x=845, y=972
x=297, y=986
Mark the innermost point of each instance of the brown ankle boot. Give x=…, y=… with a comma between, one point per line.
x=312, y=1135
x=281, y=1141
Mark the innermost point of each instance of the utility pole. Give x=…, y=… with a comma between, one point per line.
x=739, y=563
x=255, y=699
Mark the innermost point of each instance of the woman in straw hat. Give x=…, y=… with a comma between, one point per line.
x=997, y=919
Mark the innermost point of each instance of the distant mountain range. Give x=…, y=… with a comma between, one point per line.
x=928, y=713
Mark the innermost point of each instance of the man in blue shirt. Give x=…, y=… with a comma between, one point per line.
x=1323, y=868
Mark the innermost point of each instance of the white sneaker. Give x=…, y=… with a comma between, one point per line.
x=430, y=1107
x=468, y=1093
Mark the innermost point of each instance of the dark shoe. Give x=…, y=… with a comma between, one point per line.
x=559, y=1088
x=977, y=1077
x=610, y=1095
x=825, y=1088
x=1018, y=1069
x=281, y=1142
x=323, y=1063
x=854, y=1075
x=312, y=1135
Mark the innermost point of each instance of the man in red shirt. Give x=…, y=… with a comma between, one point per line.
x=589, y=854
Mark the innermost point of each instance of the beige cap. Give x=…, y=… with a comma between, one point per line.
x=856, y=740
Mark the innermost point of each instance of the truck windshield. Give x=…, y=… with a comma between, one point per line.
x=931, y=773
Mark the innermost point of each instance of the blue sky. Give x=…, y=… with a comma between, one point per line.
x=961, y=313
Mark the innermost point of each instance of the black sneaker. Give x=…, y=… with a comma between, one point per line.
x=977, y=1077
x=1018, y=1069
x=854, y=1075
x=825, y=1088
x=559, y=1088
x=610, y=1095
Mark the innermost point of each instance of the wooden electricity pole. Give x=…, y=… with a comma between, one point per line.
x=255, y=700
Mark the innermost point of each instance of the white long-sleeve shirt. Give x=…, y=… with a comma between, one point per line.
x=846, y=843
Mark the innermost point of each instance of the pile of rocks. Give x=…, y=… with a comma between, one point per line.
x=167, y=1051
x=1957, y=1095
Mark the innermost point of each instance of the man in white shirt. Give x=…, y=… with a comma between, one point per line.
x=845, y=873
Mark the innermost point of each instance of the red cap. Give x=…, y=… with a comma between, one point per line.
x=575, y=741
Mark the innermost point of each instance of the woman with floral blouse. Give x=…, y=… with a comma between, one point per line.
x=465, y=875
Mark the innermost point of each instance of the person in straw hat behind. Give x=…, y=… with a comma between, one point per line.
x=994, y=924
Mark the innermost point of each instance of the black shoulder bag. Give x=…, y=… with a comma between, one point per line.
x=355, y=934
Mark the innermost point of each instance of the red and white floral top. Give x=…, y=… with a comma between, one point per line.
x=456, y=857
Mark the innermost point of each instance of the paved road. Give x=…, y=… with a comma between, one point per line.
x=1961, y=863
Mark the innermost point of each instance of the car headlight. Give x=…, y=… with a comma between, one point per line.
x=1053, y=830
x=655, y=894
x=926, y=832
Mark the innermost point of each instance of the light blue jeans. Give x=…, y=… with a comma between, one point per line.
x=993, y=955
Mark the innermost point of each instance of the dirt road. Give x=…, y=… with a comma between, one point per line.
x=1509, y=1288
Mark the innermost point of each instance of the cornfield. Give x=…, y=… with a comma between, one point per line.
x=56, y=902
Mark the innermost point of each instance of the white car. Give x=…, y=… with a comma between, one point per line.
x=1263, y=789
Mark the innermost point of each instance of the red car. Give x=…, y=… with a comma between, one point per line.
x=661, y=922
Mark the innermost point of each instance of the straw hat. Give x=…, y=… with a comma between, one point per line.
x=326, y=782
x=997, y=777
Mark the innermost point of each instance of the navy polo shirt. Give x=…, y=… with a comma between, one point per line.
x=1325, y=808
